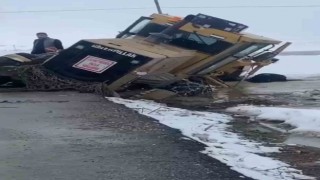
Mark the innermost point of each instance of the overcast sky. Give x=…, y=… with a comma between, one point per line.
x=300, y=25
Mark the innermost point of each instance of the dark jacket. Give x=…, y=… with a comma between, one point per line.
x=40, y=45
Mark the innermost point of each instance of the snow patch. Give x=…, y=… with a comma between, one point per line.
x=4, y=49
x=212, y=129
x=304, y=120
x=292, y=66
x=305, y=77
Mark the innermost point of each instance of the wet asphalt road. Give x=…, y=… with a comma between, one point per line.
x=66, y=135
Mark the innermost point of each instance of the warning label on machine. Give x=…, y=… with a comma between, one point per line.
x=94, y=64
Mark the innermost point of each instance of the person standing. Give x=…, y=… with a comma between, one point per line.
x=45, y=44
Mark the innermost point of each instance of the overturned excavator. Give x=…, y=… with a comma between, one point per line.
x=153, y=56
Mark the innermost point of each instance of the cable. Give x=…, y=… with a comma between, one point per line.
x=141, y=8
x=71, y=10
x=230, y=7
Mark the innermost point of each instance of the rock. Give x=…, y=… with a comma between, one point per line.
x=267, y=77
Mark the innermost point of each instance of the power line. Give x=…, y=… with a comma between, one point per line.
x=144, y=8
x=71, y=10
x=266, y=6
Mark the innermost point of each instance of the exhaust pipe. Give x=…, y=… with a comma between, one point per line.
x=158, y=6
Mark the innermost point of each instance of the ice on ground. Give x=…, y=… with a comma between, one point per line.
x=311, y=94
x=304, y=120
x=212, y=129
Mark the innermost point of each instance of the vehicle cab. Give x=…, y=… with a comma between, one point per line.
x=220, y=45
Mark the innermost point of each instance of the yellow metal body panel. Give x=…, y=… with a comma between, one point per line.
x=163, y=19
x=144, y=47
x=247, y=37
x=165, y=58
x=209, y=60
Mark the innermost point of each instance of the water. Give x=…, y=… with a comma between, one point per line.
x=310, y=141
x=303, y=94
x=299, y=94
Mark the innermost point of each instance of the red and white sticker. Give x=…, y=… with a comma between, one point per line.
x=94, y=64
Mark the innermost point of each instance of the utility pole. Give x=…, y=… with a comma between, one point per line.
x=158, y=6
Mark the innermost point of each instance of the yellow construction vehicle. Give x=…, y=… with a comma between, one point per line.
x=160, y=50
x=222, y=51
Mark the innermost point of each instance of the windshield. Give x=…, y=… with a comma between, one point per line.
x=236, y=56
x=249, y=50
x=198, y=42
x=142, y=27
x=138, y=27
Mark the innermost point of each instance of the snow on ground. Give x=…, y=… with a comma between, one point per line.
x=304, y=46
x=5, y=49
x=294, y=66
x=304, y=120
x=211, y=129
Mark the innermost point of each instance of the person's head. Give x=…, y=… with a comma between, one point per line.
x=42, y=35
